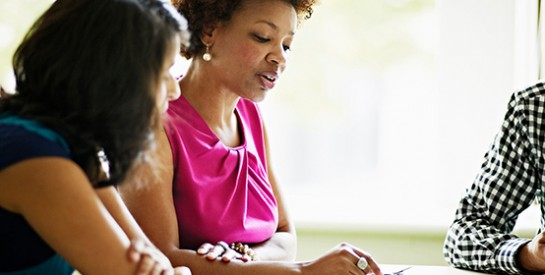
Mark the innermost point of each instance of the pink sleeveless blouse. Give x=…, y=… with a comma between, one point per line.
x=220, y=193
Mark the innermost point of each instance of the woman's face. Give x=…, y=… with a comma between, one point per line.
x=168, y=87
x=249, y=52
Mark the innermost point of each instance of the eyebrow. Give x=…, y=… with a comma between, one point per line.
x=272, y=25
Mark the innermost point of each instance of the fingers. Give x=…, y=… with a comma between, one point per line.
x=220, y=251
x=146, y=265
x=245, y=258
x=135, y=250
x=150, y=266
x=204, y=249
x=215, y=252
x=364, y=266
x=182, y=270
x=353, y=267
x=364, y=261
x=157, y=269
x=229, y=255
x=149, y=259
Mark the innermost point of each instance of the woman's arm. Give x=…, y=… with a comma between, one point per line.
x=55, y=197
x=152, y=257
x=282, y=246
x=152, y=205
x=111, y=199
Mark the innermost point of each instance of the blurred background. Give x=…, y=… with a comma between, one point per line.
x=383, y=115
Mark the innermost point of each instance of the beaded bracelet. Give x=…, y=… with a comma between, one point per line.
x=244, y=249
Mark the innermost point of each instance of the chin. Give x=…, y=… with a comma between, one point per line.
x=256, y=98
x=259, y=99
x=163, y=109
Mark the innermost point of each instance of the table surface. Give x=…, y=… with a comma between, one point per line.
x=425, y=270
x=413, y=270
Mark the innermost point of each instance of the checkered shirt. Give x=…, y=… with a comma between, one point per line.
x=509, y=181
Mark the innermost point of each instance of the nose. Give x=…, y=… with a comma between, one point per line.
x=173, y=89
x=278, y=57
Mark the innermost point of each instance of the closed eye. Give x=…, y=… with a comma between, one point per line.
x=261, y=39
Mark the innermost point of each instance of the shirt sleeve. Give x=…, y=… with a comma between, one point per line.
x=18, y=144
x=480, y=237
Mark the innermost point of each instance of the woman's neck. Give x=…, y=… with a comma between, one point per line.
x=214, y=103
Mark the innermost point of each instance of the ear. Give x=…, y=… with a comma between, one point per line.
x=208, y=34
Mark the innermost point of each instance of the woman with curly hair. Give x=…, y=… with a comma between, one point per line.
x=218, y=208
x=92, y=78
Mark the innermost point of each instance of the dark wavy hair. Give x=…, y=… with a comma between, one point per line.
x=89, y=69
x=202, y=13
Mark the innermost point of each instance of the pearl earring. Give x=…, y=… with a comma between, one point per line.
x=207, y=56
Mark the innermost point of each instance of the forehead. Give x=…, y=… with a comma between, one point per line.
x=278, y=12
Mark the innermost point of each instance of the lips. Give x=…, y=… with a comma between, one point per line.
x=268, y=79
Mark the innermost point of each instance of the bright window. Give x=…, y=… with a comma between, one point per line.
x=387, y=107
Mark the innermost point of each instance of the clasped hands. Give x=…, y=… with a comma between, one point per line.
x=151, y=261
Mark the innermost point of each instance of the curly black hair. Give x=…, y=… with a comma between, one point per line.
x=201, y=13
x=88, y=69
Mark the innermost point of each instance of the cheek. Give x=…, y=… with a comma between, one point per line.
x=161, y=94
x=247, y=54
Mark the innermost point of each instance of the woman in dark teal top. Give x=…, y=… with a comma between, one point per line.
x=92, y=79
x=21, y=245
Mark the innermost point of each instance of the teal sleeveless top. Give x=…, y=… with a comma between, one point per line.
x=55, y=264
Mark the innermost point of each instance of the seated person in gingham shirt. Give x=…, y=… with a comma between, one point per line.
x=509, y=181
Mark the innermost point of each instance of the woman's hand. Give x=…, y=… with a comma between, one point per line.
x=182, y=270
x=221, y=249
x=342, y=259
x=151, y=261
